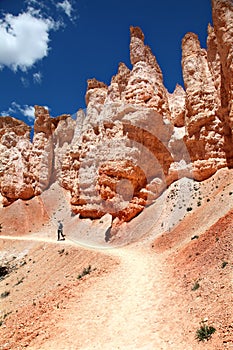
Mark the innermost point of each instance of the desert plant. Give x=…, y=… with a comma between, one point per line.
x=204, y=332
x=194, y=237
x=4, y=316
x=195, y=286
x=86, y=271
x=189, y=209
x=5, y=294
x=4, y=270
x=224, y=264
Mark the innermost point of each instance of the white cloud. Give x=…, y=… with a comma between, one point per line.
x=66, y=7
x=31, y=2
x=37, y=78
x=26, y=111
x=24, y=39
x=15, y=110
x=24, y=81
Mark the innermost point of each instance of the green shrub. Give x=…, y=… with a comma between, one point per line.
x=61, y=251
x=204, y=332
x=4, y=270
x=3, y=317
x=195, y=286
x=224, y=264
x=5, y=294
x=194, y=237
x=86, y=271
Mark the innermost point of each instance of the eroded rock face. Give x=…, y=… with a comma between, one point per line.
x=27, y=168
x=222, y=18
x=135, y=138
x=95, y=96
x=145, y=84
x=112, y=165
x=177, y=106
x=205, y=134
x=118, y=84
x=208, y=82
x=16, y=180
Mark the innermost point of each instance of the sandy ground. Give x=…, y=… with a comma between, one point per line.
x=139, y=292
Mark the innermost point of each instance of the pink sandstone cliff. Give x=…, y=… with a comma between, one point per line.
x=135, y=138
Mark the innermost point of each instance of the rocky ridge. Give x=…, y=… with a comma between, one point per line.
x=135, y=138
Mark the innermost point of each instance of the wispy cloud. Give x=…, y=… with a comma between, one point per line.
x=66, y=6
x=37, y=78
x=16, y=109
x=32, y=2
x=24, y=81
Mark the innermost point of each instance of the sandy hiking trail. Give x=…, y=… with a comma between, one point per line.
x=126, y=309
x=34, y=238
x=120, y=312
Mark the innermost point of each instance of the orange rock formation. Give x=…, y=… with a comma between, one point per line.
x=136, y=138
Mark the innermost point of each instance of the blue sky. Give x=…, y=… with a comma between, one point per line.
x=48, y=49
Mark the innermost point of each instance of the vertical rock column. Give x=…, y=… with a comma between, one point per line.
x=95, y=97
x=42, y=155
x=145, y=85
x=52, y=138
x=205, y=140
x=16, y=179
x=222, y=12
x=118, y=84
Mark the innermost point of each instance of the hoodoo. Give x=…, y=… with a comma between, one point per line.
x=135, y=138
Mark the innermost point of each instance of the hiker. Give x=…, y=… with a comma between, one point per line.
x=60, y=231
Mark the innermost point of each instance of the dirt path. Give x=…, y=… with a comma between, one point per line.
x=135, y=306
x=119, y=312
x=29, y=238
x=126, y=309
x=35, y=238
